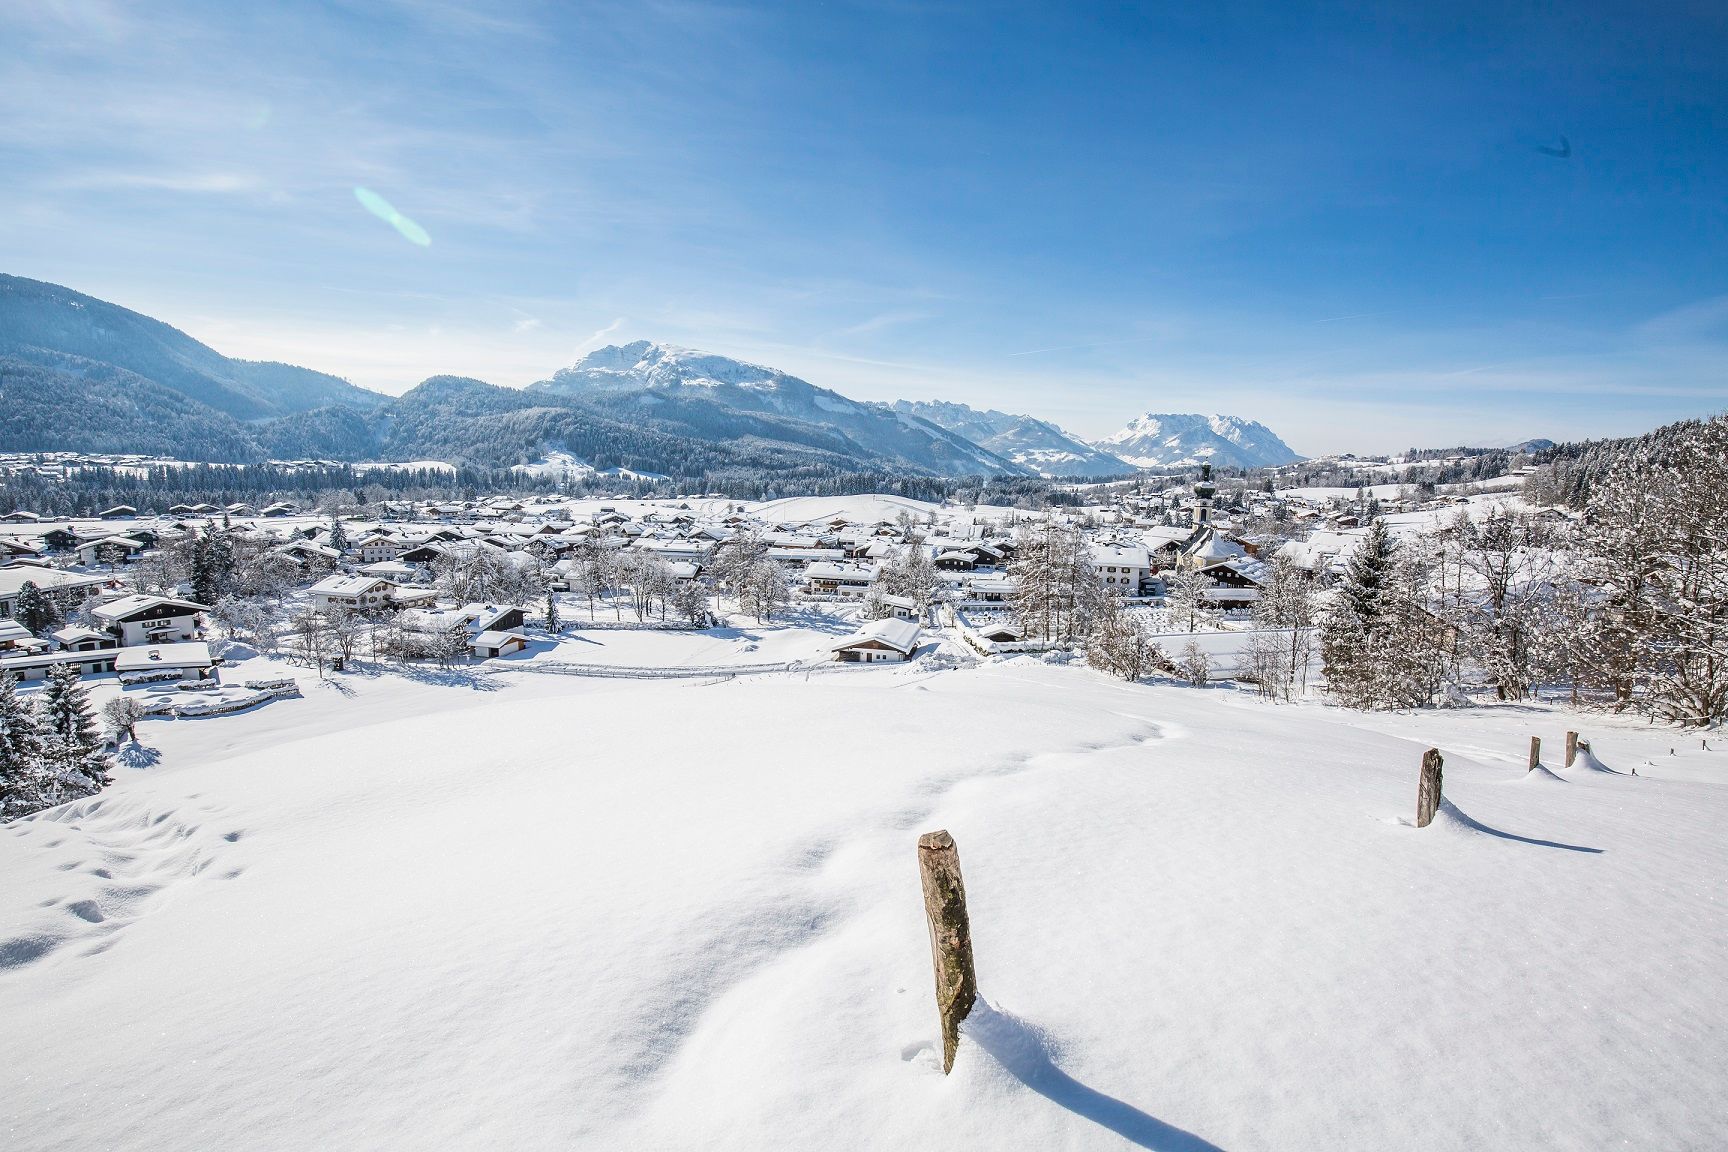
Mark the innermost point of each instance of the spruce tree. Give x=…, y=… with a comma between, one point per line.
x=1357, y=631
x=72, y=743
x=338, y=534
x=21, y=766
x=35, y=610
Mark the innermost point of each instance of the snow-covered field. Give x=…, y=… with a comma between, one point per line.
x=528, y=911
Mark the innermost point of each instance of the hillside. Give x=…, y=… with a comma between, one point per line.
x=35, y=316
x=715, y=397
x=411, y=914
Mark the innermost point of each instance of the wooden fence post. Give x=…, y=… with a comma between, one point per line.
x=1571, y=748
x=1535, y=753
x=1428, y=788
x=950, y=936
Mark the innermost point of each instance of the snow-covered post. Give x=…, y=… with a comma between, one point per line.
x=1428, y=788
x=950, y=936
x=1535, y=753
x=1571, y=748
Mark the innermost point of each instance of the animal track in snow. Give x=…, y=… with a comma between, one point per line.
x=143, y=856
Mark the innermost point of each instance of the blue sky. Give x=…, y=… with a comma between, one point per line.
x=1336, y=218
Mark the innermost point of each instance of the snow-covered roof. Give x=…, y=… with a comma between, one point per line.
x=144, y=657
x=900, y=635
x=125, y=607
x=343, y=585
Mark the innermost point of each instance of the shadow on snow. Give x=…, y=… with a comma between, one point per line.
x=1023, y=1053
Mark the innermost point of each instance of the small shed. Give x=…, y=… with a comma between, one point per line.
x=490, y=644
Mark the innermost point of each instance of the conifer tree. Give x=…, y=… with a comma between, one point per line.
x=338, y=534
x=73, y=749
x=21, y=766
x=1357, y=632
x=35, y=610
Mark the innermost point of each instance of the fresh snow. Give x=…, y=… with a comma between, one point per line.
x=494, y=908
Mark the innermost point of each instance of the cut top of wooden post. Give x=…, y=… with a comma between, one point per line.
x=950, y=936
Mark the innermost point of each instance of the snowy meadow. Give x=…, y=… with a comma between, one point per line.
x=534, y=910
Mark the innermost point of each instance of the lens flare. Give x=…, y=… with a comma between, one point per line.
x=386, y=212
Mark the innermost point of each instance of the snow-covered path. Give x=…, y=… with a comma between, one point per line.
x=552, y=912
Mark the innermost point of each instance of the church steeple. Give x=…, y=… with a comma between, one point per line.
x=1204, y=490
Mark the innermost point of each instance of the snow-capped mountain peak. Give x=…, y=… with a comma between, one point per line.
x=716, y=397
x=1167, y=439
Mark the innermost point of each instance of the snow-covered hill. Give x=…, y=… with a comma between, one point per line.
x=1164, y=439
x=1032, y=443
x=718, y=398
x=545, y=912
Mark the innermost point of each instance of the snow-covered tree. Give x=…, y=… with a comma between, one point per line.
x=1655, y=548
x=35, y=610
x=554, y=624
x=690, y=600
x=22, y=766
x=1194, y=666
x=122, y=713
x=251, y=622
x=1120, y=643
x=72, y=747
x=338, y=534
x=910, y=573
x=1056, y=592
x=1287, y=600
x=1185, y=600
x=1365, y=623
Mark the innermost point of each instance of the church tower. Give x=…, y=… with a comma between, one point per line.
x=1204, y=490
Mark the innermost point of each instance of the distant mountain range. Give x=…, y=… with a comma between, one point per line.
x=1029, y=442
x=1160, y=440
x=715, y=398
x=81, y=374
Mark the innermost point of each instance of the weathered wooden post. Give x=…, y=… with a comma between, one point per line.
x=1571, y=748
x=1535, y=753
x=1428, y=789
x=950, y=936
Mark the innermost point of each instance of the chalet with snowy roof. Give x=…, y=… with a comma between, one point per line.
x=1234, y=583
x=118, y=512
x=110, y=550
x=140, y=619
x=1122, y=568
x=364, y=594
x=879, y=641
x=377, y=548
x=834, y=579
x=65, y=589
